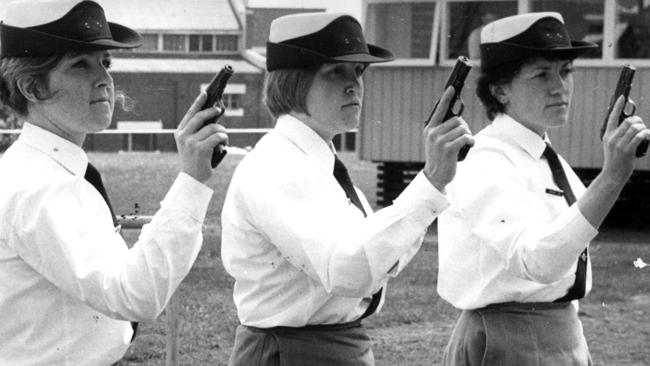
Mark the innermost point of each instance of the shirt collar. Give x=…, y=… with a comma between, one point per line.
x=306, y=140
x=521, y=135
x=64, y=152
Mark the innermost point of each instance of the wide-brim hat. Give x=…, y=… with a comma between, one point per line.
x=528, y=35
x=309, y=39
x=33, y=28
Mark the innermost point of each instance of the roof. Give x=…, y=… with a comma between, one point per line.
x=179, y=65
x=163, y=15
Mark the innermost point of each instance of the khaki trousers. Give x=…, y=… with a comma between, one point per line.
x=518, y=334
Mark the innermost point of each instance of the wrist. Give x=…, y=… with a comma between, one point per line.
x=435, y=182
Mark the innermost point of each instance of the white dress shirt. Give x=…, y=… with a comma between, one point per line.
x=299, y=251
x=69, y=282
x=505, y=237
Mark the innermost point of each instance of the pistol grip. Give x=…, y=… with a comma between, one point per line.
x=462, y=153
x=217, y=155
x=642, y=149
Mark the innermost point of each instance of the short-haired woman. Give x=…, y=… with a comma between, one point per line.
x=513, y=246
x=70, y=285
x=309, y=258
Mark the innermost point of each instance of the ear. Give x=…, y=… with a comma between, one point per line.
x=27, y=87
x=500, y=93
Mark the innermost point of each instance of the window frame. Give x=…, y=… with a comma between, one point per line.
x=441, y=30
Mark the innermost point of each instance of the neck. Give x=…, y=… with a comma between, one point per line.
x=49, y=125
x=315, y=125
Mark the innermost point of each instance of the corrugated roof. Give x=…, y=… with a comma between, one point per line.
x=186, y=15
x=184, y=66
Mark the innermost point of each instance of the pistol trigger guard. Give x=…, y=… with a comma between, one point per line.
x=630, y=102
x=461, y=108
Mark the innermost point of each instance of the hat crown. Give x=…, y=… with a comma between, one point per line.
x=37, y=12
x=342, y=36
x=84, y=22
x=512, y=26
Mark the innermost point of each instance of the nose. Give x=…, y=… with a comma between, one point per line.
x=354, y=85
x=103, y=78
x=559, y=84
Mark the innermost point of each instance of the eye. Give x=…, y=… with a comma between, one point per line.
x=107, y=63
x=360, y=69
x=79, y=63
x=567, y=70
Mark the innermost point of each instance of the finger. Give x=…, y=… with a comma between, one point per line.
x=216, y=139
x=195, y=107
x=449, y=125
x=208, y=131
x=453, y=134
x=612, y=122
x=458, y=143
x=443, y=105
x=198, y=121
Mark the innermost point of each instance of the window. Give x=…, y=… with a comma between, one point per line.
x=206, y=43
x=232, y=99
x=583, y=19
x=466, y=20
x=632, y=29
x=149, y=42
x=195, y=43
x=226, y=43
x=174, y=42
x=405, y=28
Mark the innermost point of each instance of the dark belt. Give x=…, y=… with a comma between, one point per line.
x=310, y=327
x=530, y=306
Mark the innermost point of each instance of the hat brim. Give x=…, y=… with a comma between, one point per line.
x=286, y=56
x=500, y=53
x=22, y=42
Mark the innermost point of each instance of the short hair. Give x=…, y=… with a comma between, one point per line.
x=285, y=90
x=37, y=69
x=502, y=75
x=14, y=69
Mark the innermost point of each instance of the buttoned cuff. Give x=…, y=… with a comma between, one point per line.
x=189, y=195
x=426, y=200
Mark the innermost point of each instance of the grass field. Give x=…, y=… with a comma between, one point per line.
x=415, y=323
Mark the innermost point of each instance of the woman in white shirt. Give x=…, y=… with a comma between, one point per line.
x=309, y=257
x=513, y=246
x=70, y=286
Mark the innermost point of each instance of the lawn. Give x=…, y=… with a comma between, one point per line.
x=415, y=323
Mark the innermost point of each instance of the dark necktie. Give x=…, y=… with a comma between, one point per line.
x=577, y=291
x=95, y=179
x=342, y=176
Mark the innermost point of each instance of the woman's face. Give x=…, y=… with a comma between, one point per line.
x=334, y=98
x=81, y=96
x=539, y=96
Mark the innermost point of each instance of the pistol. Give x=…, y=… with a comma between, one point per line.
x=215, y=99
x=457, y=80
x=623, y=87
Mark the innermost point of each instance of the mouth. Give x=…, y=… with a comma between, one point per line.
x=100, y=100
x=557, y=105
x=352, y=104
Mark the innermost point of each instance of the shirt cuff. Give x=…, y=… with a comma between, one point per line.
x=189, y=195
x=426, y=200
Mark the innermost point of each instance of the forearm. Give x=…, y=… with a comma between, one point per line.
x=599, y=198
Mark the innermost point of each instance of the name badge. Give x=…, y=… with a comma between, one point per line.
x=554, y=192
